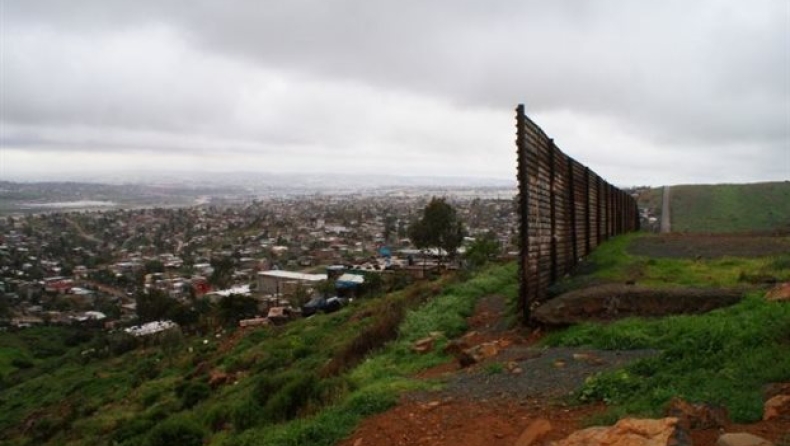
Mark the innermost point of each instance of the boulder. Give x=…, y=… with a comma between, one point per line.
x=779, y=293
x=534, y=432
x=742, y=439
x=697, y=416
x=777, y=407
x=631, y=432
x=613, y=301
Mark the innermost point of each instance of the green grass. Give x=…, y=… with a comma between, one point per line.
x=722, y=357
x=611, y=262
x=284, y=392
x=726, y=208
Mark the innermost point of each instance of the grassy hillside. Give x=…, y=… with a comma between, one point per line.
x=309, y=382
x=312, y=381
x=725, y=208
x=723, y=357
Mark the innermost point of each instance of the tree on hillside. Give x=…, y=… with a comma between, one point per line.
x=156, y=305
x=222, y=277
x=439, y=227
x=235, y=307
x=482, y=250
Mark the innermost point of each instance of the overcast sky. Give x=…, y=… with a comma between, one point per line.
x=659, y=92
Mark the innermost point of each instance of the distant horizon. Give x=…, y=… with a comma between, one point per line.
x=119, y=177
x=89, y=175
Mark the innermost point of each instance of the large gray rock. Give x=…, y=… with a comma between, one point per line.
x=614, y=301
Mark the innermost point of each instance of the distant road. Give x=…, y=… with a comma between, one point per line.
x=82, y=232
x=666, y=220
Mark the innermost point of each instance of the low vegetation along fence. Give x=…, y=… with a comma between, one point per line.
x=566, y=210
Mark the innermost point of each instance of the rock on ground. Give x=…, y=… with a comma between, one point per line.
x=779, y=293
x=777, y=407
x=631, y=432
x=742, y=439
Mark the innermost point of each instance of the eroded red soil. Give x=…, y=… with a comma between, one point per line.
x=460, y=418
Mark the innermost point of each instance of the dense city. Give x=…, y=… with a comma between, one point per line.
x=209, y=266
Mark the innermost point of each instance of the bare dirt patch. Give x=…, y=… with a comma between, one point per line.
x=614, y=301
x=464, y=422
x=693, y=246
x=485, y=405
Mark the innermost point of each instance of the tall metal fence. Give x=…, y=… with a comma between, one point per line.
x=565, y=209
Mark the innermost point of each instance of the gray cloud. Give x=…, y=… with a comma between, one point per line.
x=617, y=80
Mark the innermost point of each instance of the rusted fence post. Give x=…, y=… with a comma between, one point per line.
x=553, y=207
x=587, y=223
x=555, y=192
x=572, y=207
x=523, y=201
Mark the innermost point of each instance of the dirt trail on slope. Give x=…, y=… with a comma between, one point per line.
x=488, y=405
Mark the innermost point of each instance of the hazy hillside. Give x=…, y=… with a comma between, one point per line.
x=722, y=208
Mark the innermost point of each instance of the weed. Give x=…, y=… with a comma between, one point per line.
x=494, y=368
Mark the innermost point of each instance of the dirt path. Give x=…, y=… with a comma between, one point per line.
x=666, y=219
x=487, y=404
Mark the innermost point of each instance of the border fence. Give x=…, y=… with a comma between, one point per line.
x=565, y=210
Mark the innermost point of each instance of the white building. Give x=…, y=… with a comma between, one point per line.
x=284, y=282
